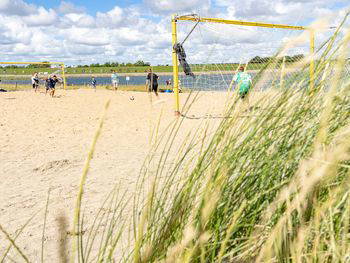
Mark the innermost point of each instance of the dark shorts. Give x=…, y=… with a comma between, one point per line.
x=35, y=85
x=243, y=94
x=154, y=87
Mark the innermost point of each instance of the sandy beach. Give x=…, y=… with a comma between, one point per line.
x=45, y=141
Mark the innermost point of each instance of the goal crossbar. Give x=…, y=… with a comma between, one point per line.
x=237, y=22
x=42, y=63
x=195, y=18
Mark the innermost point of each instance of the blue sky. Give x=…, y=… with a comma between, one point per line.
x=78, y=31
x=91, y=6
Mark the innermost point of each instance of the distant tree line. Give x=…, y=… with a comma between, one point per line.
x=139, y=63
x=288, y=59
x=39, y=65
x=29, y=65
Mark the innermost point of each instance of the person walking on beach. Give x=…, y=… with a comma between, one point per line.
x=35, y=81
x=115, y=80
x=152, y=82
x=52, y=84
x=93, y=83
x=244, y=82
x=46, y=84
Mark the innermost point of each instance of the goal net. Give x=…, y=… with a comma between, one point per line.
x=216, y=49
x=18, y=75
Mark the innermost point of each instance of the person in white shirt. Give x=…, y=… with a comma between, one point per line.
x=115, y=80
x=35, y=81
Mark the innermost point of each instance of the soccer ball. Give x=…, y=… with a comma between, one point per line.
x=132, y=98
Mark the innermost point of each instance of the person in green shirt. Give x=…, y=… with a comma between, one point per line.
x=115, y=80
x=244, y=82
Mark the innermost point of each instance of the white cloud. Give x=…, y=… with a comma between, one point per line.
x=16, y=7
x=279, y=11
x=43, y=17
x=257, y=9
x=15, y=31
x=112, y=18
x=143, y=32
x=88, y=37
x=178, y=6
x=86, y=21
x=129, y=37
x=77, y=20
x=119, y=17
x=70, y=8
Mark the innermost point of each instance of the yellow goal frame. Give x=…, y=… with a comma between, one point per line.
x=193, y=18
x=42, y=63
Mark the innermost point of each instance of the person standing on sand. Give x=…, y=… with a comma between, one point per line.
x=115, y=80
x=152, y=82
x=35, y=81
x=52, y=85
x=93, y=83
x=46, y=84
x=244, y=83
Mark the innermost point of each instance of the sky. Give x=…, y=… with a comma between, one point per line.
x=91, y=31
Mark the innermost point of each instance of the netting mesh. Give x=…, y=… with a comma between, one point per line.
x=347, y=68
x=216, y=51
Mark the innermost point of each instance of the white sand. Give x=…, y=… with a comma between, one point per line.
x=45, y=141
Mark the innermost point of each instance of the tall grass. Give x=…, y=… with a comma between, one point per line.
x=270, y=187
x=271, y=184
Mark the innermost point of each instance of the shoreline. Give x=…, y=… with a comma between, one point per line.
x=88, y=75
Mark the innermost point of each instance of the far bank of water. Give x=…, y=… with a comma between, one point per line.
x=203, y=81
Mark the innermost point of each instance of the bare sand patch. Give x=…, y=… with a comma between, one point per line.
x=44, y=142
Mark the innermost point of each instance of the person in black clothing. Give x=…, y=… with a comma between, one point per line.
x=181, y=54
x=152, y=82
x=47, y=84
x=93, y=83
x=52, y=84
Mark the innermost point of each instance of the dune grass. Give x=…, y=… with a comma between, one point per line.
x=270, y=185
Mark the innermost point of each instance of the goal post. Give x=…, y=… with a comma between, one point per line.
x=203, y=20
x=61, y=64
x=175, y=66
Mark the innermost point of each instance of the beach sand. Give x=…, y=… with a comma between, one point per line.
x=44, y=144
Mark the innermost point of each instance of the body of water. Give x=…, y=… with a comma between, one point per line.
x=200, y=82
x=132, y=80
